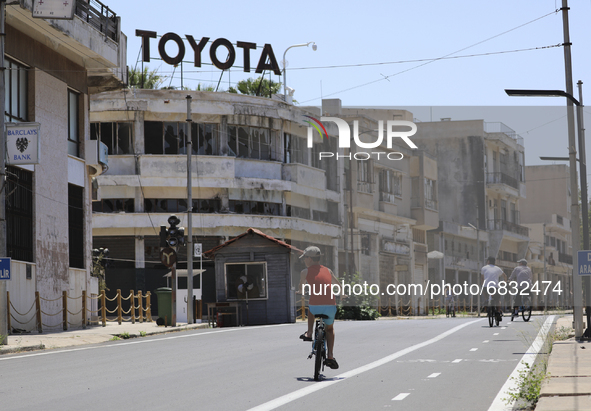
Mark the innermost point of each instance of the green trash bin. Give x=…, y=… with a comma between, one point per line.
x=164, y=295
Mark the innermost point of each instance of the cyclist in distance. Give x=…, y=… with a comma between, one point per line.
x=523, y=276
x=319, y=277
x=491, y=275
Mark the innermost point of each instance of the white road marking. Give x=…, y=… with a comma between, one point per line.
x=285, y=399
x=456, y=361
x=496, y=334
x=140, y=341
x=434, y=375
x=401, y=396
x=529, y=358
x=485, y=341
x=473, y=349
x=503, y=328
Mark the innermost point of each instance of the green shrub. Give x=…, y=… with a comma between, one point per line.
x=357, y=307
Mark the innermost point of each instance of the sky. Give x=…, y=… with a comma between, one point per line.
x=445, y=59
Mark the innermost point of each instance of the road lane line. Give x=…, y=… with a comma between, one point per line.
x=473, y=349
x=485, y=341
x=528, y=358
x=496, y=334
x=140, y=341
x=401, y=396
x=285, y=399
x=434, y=375
x=456, y=361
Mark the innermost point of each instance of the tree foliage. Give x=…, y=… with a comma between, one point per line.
x=253, y=87
x=151, y=78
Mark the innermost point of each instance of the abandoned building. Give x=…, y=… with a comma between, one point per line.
x=51, y=69
x=252, y=168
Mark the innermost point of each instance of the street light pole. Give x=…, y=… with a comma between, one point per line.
x=314, y=47
x=189, y=216
x=3, y=288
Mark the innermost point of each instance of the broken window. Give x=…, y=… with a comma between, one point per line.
x=116, y=136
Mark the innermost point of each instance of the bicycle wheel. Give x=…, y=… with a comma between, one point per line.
x=526, y=313
x=491, y=318
x=318, y=354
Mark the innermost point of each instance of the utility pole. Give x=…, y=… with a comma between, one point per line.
x=545, y=276
x=576, y=283
x=584, y=202
x=3, y=297
x=189, y=217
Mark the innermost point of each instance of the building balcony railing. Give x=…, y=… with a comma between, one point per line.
x=497, y=224
x=364, y=187
x=415, y=202
x=388, y=197
x=98, y=16
x=565, y=258
x=501, y=178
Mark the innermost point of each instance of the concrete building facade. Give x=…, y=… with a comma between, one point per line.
x=51, y=68
x=481, y=171
x=253, y=169
x=546, y=212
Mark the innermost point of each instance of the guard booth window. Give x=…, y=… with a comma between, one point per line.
x=76, y=225
x=246, y=278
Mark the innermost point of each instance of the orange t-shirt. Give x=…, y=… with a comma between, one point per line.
x=318, y=276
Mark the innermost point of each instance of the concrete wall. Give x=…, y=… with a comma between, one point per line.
x=548, y=193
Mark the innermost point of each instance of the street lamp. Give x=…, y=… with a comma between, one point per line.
x=314, y=47
x=576, y=280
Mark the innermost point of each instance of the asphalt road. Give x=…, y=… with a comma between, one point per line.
x=440, y=364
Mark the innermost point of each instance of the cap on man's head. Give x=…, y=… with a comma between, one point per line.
x=311, y=251
x=522, y=261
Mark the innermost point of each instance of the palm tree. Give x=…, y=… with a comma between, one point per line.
x=149, y=79
x=253, y=87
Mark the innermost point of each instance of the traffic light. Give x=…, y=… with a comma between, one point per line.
x=173, y=236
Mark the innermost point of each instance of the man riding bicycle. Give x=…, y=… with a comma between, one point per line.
x=523, y=276
x=491, y=275
x=320, y=278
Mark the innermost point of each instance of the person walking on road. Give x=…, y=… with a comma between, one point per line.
x=491, y=275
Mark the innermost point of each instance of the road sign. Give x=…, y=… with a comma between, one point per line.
x=584, y=262
x=168, y=256
x=5, y=268
x=198, y=249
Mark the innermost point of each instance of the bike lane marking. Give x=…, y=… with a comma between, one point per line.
x=434, y=375
x=528, y=358
x=401, y=396
x=285, y=399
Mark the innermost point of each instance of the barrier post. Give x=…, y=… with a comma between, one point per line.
x=83, y=308
x=132, y=301
x=38, y=312
x=119, y=306
x=9, y=327
x=65, y=309
x=149, y=307
x=141, y=305
x=104, y=307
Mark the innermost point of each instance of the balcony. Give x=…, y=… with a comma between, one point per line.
x=565, y=258
x=502, y=178
x=497, y=224
x=98, y=16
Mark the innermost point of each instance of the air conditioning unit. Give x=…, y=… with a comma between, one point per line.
x=97, y=157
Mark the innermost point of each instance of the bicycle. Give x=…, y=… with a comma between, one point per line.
x=319, y=346
x=525, y=309
x=494, y=315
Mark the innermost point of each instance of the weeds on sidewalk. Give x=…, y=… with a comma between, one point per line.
x=529, y=385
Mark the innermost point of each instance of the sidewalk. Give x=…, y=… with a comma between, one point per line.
x=91, y=335
x=569, y=369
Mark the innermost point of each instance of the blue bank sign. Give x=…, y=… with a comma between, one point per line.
x=4, y=268
x=584, y=262
x=22, y=143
